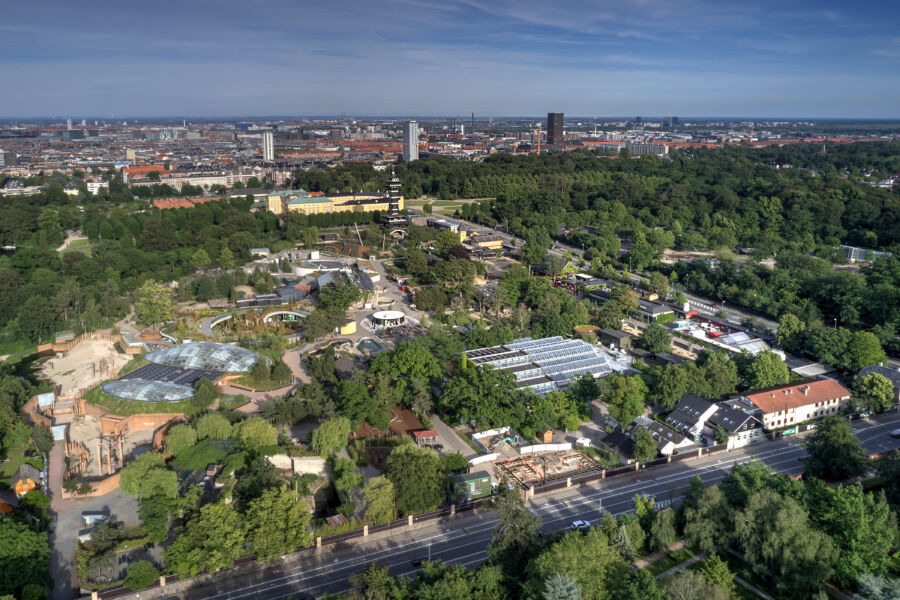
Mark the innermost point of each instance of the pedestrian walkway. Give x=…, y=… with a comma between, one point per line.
x=682, y=566
x=659, y=554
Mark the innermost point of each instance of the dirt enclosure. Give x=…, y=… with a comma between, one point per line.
x=84, y=366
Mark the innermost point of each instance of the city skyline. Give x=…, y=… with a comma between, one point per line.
x=415, y=57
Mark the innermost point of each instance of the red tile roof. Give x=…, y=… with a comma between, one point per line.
x=144, y=170
x=164, y=203
x=799, y=394
x=428, y=433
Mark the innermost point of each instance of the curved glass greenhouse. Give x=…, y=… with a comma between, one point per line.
x=148, y=391
x=206, y=356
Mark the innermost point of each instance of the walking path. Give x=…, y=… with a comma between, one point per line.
x=682, y=566
x=753, y=588
x=646, y=561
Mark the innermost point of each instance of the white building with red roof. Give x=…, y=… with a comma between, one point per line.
x=787, y=405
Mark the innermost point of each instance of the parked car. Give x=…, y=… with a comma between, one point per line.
x=895, y=433
x=579, y=524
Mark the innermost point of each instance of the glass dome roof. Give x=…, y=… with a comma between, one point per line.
x=207, y=356
x=148, y=391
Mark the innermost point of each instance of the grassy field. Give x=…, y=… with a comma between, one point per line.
x=201, y=455
x=83, y=246
x=15, y=348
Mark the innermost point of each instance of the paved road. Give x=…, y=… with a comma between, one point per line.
x=464, y=539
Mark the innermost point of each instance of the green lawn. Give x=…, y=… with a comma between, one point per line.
x=201, y=455
x=83, y=246
x=672, y=559
x=15, y=348
x=16, y=457
x=250, y=381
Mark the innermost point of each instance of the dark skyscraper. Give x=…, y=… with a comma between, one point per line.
x=555, y=129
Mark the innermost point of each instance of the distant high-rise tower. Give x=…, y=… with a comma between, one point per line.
x=69, y=124
x=84, y=122
x=268, y=146
x=555, y=129
x=674, y=121
x=410, y=141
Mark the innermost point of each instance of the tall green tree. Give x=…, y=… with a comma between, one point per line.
x=141, y=575
x=875, y=392
x=179, y=438
x=276, y=523
x=587, y=558
x=862, y=527
x=210, y=541
x=767, y=370
x=24, y=554
x=560, y=586
x=37, y=320
x=147, y=476
x=379, y=496
x=515, y=539
x=215, y=426
x=419, y=480
x=153, y=303
x=645, y=448
x=331, y=436
x=655, y=338
x=778, y=541
x=255, y=432
x=834, y=451
x=624, y=396
x=707, y=518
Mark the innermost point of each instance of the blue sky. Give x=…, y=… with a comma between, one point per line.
x=451, y=57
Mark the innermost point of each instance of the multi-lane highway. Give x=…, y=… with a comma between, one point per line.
x=464, y=539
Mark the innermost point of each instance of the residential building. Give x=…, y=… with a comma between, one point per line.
x=741, y=427
x=410, y=141
x=787, y=405
x=668, y=441
x=555, y=137
x=95, y=186
x=268, y=146
x=635, y=149
x=690, y=415
x=697, y=418
x=892, y=375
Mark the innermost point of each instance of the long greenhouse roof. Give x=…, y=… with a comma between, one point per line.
x=556, y=359
x=206, y=356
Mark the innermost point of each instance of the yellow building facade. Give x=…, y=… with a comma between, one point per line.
x=302, y=202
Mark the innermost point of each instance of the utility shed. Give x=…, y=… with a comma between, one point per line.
x=471, y=486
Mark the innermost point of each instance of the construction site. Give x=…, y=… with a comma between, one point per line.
x=84, y=365
x=539, y=467
x=506, y=456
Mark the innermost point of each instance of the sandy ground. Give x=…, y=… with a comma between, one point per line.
x=84, y=366
x=69, y=239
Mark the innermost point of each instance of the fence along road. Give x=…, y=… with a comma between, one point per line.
x=464, y=540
